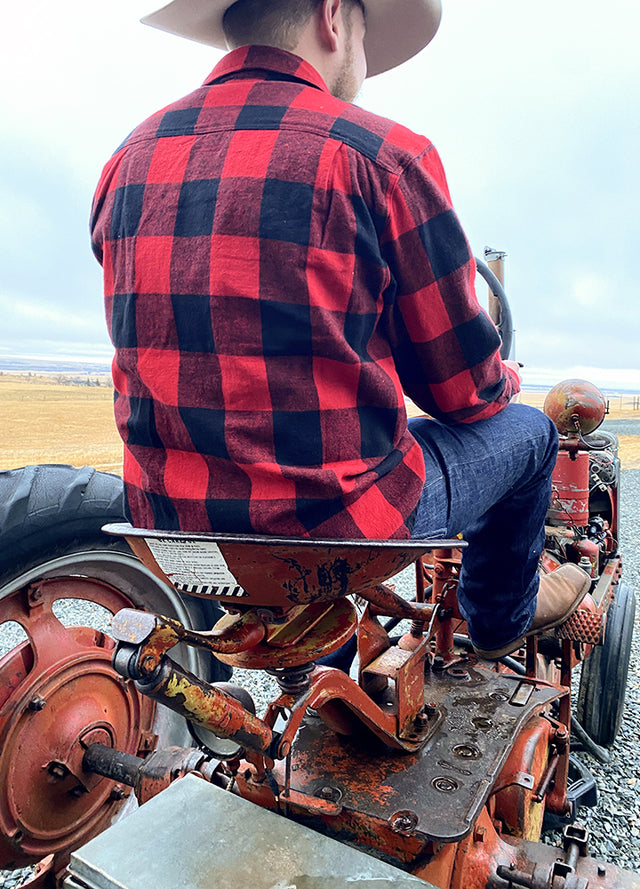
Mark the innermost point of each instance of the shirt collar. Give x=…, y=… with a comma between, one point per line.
x=266, y=58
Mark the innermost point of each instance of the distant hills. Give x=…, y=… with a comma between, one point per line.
x=22, y=365
x=44, y=365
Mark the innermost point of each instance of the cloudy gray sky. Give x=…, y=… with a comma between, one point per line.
x=533, y=107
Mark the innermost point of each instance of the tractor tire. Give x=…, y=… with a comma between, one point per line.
x=45, y=507
x=604, y=674
x=51, y=519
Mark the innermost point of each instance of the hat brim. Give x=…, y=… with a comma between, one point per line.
x=396, y=29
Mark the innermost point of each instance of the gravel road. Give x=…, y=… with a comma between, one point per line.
x=615, y=823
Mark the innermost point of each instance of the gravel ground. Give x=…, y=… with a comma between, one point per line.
x=615, y=823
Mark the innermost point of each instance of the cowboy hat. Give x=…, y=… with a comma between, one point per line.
x=396, y=29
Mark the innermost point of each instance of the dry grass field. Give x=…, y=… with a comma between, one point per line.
x=45, y=420
x=622, y=407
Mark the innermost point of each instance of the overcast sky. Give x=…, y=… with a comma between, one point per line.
x=534, y=108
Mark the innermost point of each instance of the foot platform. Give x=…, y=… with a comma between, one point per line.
x=442, y=788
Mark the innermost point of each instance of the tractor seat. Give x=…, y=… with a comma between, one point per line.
x=269, y=571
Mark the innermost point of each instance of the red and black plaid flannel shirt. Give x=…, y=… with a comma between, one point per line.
x=279, y=267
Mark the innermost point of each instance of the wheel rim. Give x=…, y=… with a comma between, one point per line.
x=58, y=693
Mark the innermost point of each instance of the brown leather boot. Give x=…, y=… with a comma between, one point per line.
x=559, y=595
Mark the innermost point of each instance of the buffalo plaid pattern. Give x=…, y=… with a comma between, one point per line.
x=279, y=268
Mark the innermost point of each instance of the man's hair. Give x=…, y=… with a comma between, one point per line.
x=270, y=22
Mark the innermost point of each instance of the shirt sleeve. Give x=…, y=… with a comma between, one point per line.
x=445, y=346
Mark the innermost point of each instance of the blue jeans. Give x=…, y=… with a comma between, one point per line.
x=490, y=481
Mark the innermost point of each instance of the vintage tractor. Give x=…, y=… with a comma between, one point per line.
x=418, y=765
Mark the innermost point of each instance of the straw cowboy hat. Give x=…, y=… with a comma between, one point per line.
x=396, y=29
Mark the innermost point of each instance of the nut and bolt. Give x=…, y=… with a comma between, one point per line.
x=430, y=709
x=403, y=822
x=458, y=672
x=149, y=663
x=117, y=792
x=444, y=784
x=331, y=794
x=37, y=703
x=35, y=594
x=561, y=733
x=57, y=770
x=422, y=720
x=466, y=751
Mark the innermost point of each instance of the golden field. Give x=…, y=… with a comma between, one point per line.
x=45, y=420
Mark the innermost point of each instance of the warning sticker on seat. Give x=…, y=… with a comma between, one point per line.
x=195, y=566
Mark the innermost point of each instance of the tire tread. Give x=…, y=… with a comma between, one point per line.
x=46, y=505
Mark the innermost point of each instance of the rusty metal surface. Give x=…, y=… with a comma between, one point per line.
x=210, y=834
x=206, y=704
x=484, y=860
x=537, y=861
x=444, y=578
x=520, y=787
x=149, y=776
x=609, y=579
x=385, y=601
x=156, y=634
x=318, y=629
x=406, y=669
x=58, y=692
x=275, y=571
x=570, y=493
x=447, y=782
x=328, y=687
x=577, y=407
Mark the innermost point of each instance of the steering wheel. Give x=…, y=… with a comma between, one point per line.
x=505, y=322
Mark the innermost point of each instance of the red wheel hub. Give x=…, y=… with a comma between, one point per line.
x=58, y=694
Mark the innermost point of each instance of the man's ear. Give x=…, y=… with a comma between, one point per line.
x=330, y=23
